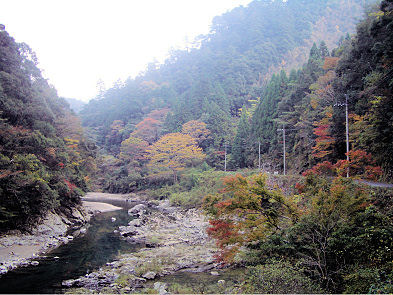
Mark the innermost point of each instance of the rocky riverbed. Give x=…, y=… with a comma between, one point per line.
x=175, y=240
x=20, y=249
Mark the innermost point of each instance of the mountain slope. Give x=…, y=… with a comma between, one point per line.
x=225, y=68
x=44, y=160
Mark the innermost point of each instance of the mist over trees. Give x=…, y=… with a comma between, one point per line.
x=272, y=80
x=251, y=53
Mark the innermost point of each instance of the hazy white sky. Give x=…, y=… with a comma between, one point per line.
x=79, y=42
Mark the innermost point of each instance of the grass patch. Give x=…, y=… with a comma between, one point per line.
x=154, y=265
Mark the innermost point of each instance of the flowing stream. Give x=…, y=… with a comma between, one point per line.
x=83, y=254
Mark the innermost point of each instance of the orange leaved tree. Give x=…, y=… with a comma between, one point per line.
x=172, y=153
x=246, y=211
x=147, y=130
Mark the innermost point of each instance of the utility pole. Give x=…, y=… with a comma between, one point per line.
x=347, y=129
x=283, y=137
x=225, y=158
x=259, y=156
x=346, y=126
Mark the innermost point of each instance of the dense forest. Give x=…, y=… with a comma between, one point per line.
x=280, y=87
x=226, y=80
x=44, y=158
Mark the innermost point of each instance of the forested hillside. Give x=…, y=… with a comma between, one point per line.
x=310, y=103
x=213, y=78
x=300, y=89
x=221, y=73
x=44, y=159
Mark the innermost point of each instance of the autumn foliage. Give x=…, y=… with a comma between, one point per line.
x=173, y=152
x=147, y=130
x=360, y=165
x=133, y=149
x=246, y=211
x=330, y=63
x=196, y=129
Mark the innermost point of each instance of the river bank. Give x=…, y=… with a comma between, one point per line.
x=175, y=240
x=21, y=249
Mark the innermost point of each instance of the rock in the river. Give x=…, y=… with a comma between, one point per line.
x=137, y=210
x=113, y=219
x=214, y=273
x=70, y=283
x=126, y=231
x=135, y=222
x=34, y=263
x=149, y=275
x=160, y=287
x=3, y=269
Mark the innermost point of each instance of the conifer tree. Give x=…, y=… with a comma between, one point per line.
x=241, y=141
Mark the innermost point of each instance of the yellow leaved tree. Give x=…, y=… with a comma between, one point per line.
x=172, y=153
x=196, y=129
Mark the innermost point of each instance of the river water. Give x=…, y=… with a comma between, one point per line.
x=83, y=254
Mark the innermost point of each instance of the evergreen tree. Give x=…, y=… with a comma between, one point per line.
x=241, y=141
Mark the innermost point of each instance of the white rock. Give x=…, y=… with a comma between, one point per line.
x=3, y=269
x=149, y=275
x=160, y=287
x=137, y=210
x=135, y=222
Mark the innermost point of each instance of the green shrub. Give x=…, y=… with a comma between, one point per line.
x=177, y=288
x=278, y=277
x=148, y=291
x=155, y=265
x=163, y=192
x=122, y=280
x=195, y=185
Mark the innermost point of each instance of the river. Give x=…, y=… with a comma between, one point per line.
x=83, y=254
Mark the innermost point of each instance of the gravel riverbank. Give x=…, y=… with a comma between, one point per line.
x=21, y=249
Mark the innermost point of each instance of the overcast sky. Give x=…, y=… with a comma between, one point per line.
x=79, y=42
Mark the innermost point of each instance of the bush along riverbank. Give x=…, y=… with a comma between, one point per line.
x=175, y=240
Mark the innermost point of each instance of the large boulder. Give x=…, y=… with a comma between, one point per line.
x=52, y=225
x=150, y=275
x=137, y=210
x=135, y=222
x=126, y=231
